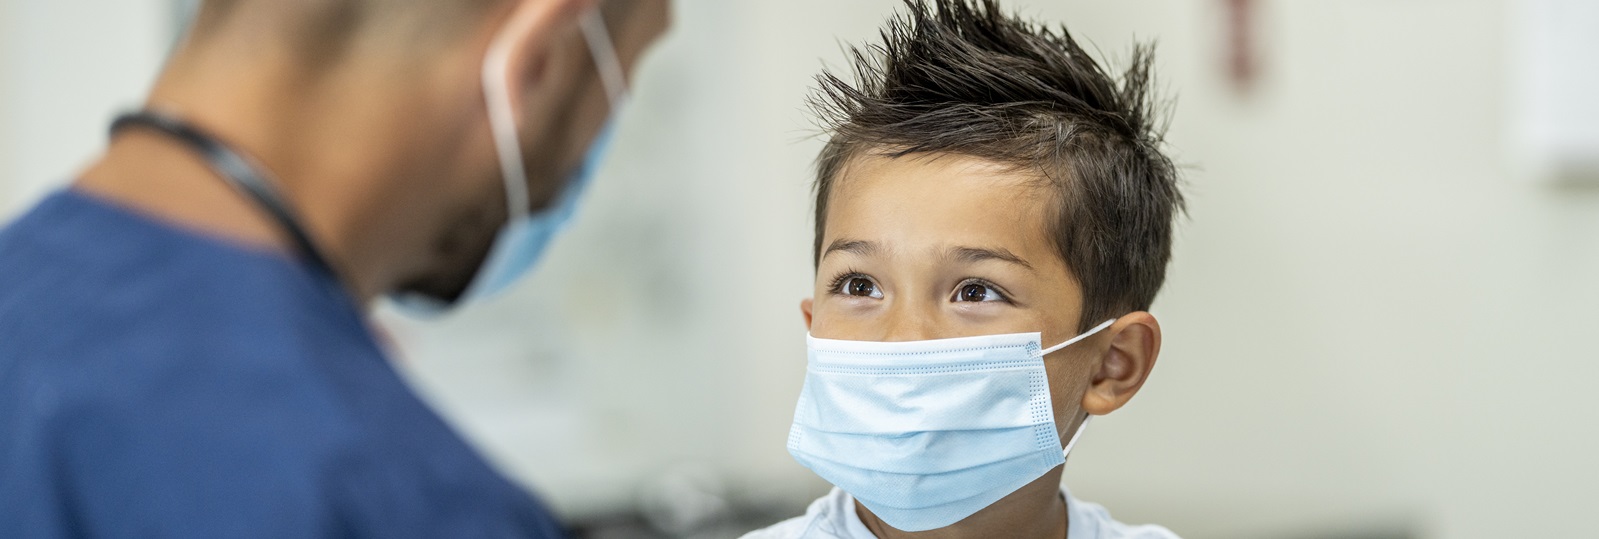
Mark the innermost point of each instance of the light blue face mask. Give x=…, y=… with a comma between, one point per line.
x=521, y=243
x=927, y=433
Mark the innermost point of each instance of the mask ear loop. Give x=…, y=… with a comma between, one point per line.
x=502, y=121
x=606, y=61
x=1084, y=425
x=502, y=116
x=1073, y=340
x=1079, y=434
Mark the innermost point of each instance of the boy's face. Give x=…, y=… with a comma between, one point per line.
x=940, y=246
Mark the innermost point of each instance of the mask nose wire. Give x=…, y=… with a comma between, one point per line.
x=606, y=61
x=1073, y=340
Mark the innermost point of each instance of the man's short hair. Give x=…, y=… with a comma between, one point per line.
x=962, y=77
x=320, y=30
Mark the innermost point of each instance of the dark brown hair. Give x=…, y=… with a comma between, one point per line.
x=963, y=77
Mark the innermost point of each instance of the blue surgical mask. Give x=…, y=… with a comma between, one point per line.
x=927, y=433
x=526, y=235
x=523, y=241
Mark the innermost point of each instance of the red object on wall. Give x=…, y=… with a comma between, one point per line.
x=1242, y=64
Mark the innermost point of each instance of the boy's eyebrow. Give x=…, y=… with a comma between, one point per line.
x=979, y=254
x=857, y=247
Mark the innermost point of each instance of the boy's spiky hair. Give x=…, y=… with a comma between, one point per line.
x=963, y=77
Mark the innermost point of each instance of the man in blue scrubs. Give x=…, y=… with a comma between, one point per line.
x=184, y=343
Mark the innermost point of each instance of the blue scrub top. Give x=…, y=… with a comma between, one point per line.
x=155, y=382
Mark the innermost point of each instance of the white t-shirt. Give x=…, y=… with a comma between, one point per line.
x=833, y=517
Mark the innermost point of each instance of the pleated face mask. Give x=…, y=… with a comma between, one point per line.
x=926, y=433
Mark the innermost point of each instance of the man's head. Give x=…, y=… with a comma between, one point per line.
x=984, y=175
x=391, y=95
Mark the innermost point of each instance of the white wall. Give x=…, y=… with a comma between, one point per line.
x=69, y=65
x=1374, y=325
x=1371, y=319
x=8, y=52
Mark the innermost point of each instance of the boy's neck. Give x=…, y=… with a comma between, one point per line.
x=1035, y=511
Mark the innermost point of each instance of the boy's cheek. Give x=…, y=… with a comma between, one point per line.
x=1068, y=381
x=831, y=322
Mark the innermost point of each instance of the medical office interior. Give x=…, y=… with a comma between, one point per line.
x=1380, y=317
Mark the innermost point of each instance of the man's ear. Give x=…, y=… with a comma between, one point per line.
x=1124, y=364
x=528, y=35
x=805, y=309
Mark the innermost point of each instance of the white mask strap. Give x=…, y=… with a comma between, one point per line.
x=606, y=60
x=1079, y=434
x=502, y=121
x=502, y=116
x=1073, y=340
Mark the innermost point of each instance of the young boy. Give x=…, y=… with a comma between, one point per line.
x=994, y=216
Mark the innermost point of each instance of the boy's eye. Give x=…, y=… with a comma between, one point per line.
x=978, y=292
x=860, y=287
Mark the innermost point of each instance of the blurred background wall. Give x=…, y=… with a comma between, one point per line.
x=1380, y=319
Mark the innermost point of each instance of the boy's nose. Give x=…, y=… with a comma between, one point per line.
x=910, y=322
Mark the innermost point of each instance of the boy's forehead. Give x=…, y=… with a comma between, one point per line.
x=938, y=199
x=937, y=172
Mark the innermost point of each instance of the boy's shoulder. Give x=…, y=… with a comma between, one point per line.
x=829, y=517
x=1088, y=520
x=833, y=517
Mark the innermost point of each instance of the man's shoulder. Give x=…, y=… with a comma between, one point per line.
x=83, y=277
x=106, y=312
x=177, y=386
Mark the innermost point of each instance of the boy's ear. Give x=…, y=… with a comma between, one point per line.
x=805, y=309
x=1124, y=364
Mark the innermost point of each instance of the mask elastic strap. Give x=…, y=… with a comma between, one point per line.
x=502, y=116
x=1073, y=340
x=606, y=60
x=1079, y=434
x=502, y=120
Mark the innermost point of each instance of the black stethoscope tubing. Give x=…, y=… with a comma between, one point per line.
x=237, y=170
